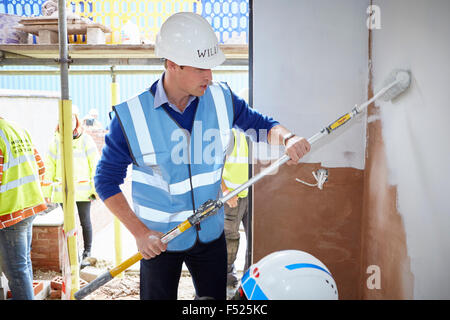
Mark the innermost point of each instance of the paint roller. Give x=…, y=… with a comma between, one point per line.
x=395, y=84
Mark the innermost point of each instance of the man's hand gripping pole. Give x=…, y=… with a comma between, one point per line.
x=207, y=209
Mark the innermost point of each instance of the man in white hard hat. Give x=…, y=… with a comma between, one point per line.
x=177, y=134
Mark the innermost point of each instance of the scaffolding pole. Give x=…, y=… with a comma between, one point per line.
x=70, y=271
x=117, y=224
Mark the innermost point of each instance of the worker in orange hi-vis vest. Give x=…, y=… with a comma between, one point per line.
x=21, y=173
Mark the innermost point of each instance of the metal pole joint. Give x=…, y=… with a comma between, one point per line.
x=67, y=60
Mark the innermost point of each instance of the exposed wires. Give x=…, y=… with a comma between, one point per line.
x=321, y=177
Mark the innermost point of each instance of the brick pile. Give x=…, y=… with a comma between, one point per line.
x=56, y=286
x=38, y=286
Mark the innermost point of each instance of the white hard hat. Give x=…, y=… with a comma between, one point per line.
x=187, y=39
x=289, y=275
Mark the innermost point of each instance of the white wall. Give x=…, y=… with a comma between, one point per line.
x=36, y=111
x=415, y=35
x=310, y=67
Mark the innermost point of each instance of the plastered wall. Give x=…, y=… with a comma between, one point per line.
x=381, y=224
x=310, y=63
x=309, y=68
x=416, y=157
x=385, y=264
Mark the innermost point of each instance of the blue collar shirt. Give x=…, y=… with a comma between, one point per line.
x=161, y=97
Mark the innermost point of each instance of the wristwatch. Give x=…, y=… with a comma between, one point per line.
x=286, y=137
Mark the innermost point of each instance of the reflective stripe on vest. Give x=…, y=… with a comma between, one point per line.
x=178, y=188
x=167, y=191
x=161, y=216
x=221, y=110
x=143, y=135
x=83, y=187
x=20, y=186
x=18, y=182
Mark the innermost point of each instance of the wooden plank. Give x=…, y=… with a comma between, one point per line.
x=27, y=22
x=78, y=28
x=101, y=51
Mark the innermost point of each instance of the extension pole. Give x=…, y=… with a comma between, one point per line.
x=65, y=129
x=117, y=224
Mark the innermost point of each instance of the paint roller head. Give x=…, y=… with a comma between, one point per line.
x=398, y=81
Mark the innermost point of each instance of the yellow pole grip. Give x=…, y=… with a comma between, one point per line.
x=184, y=226
x=126, y=264
x=339, y=122
x=138, y=256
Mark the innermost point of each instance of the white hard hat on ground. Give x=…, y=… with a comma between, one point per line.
x=289, y=275
x=188, y=39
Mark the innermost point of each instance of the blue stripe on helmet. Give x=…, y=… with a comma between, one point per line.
x=258, y=294
x=305, y=265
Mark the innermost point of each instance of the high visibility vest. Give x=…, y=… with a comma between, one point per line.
x=175, y=172
x=235, y=171
x=20, y=186
x=85, y=157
